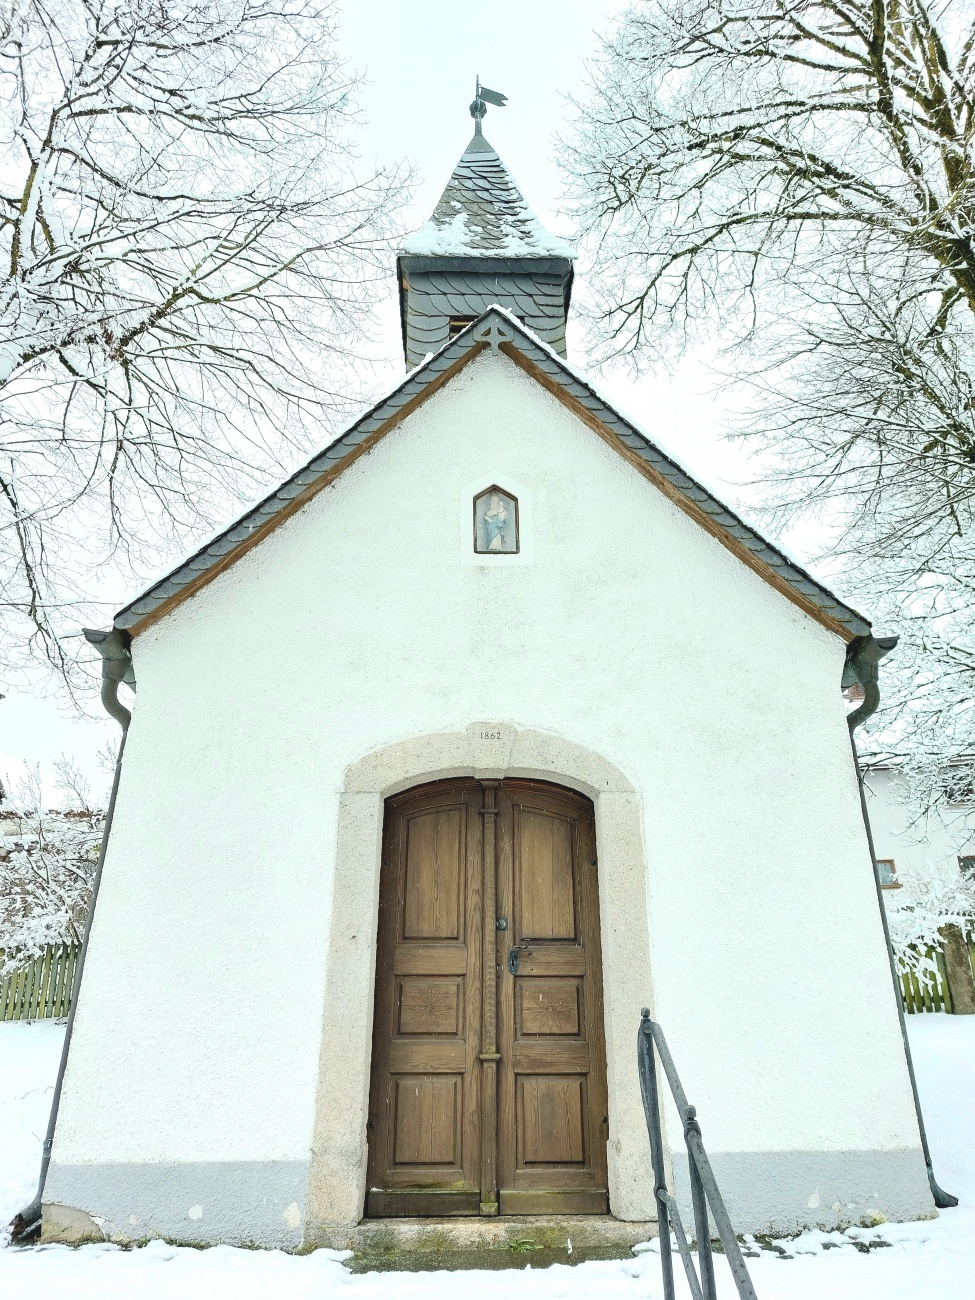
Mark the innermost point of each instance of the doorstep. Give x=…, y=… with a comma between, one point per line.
x=420, y=1245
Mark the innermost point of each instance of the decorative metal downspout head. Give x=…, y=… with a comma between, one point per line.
x=113, y=646
x=863, y=656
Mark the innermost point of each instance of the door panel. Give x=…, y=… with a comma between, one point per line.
x=552, y=1074
x=488, y=1087
x=544, y=886
x=428, y=1117
x=435, y=860
x=551, y=1113
x=430, y=1006
x=547, y=1006
x=424, y=1113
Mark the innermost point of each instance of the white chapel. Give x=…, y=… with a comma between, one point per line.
x=487, y=728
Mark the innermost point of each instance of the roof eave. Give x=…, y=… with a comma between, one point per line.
x=498, y=328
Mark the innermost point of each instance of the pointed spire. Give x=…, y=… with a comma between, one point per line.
x=482, y=245
x=482, y=213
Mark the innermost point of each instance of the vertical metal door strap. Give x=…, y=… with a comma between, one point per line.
x=489, y=1001
x=863, y=656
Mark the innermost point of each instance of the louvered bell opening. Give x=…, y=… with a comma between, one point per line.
x=458, y=323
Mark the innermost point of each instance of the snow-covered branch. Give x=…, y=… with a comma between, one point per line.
x=916, y=924
x=47, y=865
x=730, y=147
x=798, y=180
x=189, y=249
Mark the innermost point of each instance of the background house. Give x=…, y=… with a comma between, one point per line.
x=908, y=853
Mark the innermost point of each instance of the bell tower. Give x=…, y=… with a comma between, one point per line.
x=482, y=245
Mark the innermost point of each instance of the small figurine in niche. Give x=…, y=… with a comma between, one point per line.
x=496, y=523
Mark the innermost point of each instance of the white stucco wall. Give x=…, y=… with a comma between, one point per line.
x=624, y=628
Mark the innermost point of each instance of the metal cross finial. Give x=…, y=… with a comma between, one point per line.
x=483, y=97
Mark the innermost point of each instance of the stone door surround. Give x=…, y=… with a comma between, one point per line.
x=485, y=751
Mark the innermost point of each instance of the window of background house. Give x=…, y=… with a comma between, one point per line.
x=888, y=873
x=966, y=865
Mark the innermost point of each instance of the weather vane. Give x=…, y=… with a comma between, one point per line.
x=483, y=97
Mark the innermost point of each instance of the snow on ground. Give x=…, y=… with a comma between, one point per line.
x=29, y=1056
x=915, y=1261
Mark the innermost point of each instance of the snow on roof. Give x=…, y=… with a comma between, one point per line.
x=482, y=213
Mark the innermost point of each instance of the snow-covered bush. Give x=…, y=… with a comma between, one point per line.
x=47, y=868
x=916, y=923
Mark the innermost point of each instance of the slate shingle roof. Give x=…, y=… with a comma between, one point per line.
x=438, y=289
x=482, y=245
x=482, y=213
x=495, y=328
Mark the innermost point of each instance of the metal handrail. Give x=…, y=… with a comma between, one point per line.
x=704, y=1189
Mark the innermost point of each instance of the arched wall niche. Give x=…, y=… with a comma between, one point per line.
x=337, y=1175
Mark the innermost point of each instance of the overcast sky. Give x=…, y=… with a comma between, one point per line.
x=420, y=59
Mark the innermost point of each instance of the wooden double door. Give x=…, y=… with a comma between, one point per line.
x=488, y=1087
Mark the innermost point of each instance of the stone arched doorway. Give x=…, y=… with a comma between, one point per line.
x=337, y=1183
x=488, y=1089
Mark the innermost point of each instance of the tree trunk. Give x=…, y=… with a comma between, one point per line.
x=958, y=967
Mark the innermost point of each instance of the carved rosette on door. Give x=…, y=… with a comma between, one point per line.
x=488, y=1072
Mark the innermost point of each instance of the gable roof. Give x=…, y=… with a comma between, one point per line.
x=495, y=329
x=482, y=213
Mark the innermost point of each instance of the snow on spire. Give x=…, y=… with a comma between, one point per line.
x=482, y=213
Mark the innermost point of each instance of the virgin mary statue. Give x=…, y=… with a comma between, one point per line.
x=495, y=518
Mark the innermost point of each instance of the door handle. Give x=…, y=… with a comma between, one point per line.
x=514, y=956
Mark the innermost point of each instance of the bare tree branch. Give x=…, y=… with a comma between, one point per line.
x=797, y=180
x=190, y=253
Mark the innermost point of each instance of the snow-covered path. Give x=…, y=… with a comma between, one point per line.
x=920, y=1261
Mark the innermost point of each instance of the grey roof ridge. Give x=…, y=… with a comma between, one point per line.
x=211, y=552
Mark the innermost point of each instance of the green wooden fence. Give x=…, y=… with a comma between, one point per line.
x=41, y=989
x=920, y=997
x=935, y=996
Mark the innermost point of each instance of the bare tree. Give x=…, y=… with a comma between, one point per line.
x=188, y=252
x=797, y=179
x=107, y=756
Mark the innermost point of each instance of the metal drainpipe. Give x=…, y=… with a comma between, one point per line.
x=113, y=646
x=863, y=658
